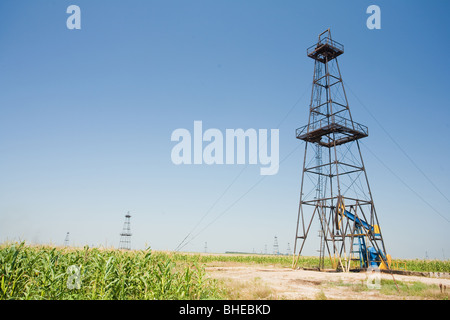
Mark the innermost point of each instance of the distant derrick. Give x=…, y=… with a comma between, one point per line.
x=125, y=236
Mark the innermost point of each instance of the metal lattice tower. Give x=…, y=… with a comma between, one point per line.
x=66, y=240
x=288, y=250
x=125, y=236
x=276, y=249
x=335, y=192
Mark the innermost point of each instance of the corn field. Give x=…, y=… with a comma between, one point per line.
x=41, y=272
x=420, y=265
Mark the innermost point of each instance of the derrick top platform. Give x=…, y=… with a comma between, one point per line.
x=325, y=49
x=336, y=130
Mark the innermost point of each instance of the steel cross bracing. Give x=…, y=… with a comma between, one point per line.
x=333, y=169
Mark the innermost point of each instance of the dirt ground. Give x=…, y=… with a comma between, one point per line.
x=290, y=284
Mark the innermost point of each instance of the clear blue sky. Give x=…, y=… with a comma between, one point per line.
x=87, y=115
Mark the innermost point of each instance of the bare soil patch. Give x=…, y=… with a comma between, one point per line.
x=286, y=283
